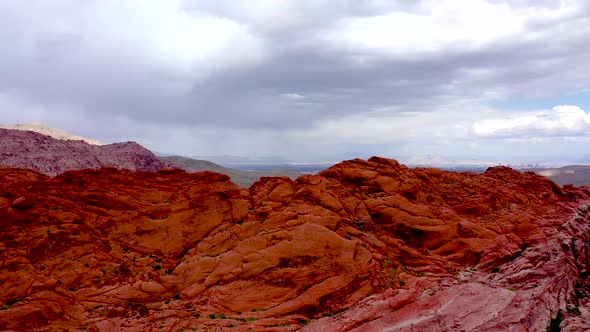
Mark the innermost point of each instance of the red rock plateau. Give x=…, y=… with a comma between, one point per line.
x=45, y=154
x=363, y=246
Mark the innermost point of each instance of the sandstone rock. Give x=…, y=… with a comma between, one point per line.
x=366, y=245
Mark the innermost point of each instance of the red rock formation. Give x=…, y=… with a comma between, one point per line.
x=366, y=245
x=45, y=154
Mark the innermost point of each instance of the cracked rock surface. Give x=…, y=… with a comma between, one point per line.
x=366, y=245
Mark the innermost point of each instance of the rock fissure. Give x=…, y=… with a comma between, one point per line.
x=366, y=245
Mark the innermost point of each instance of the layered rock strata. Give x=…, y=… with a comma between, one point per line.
x=364, y=245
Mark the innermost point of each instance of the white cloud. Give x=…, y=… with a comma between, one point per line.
x=563, y=120
x=271, y=16
x=450, y=123
x=292, y=96
x=157, y=35
x=173, y=38
x=446, y=23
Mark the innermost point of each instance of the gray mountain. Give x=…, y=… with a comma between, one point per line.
x=51, y=151
x=578, y=175
x=51, y=156
x=239, y=177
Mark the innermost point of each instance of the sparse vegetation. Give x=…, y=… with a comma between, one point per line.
x=217, y=316
x=555, y=322
x=303, y=321
x=245, y=320
x=330, y=313
x=279, y=324
x=390, y=273
x=359, y=225
x=574, y=310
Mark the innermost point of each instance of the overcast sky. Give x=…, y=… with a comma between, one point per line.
x=305, y=80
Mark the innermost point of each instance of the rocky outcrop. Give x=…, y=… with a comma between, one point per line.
x=45, y=154
x=364, y=245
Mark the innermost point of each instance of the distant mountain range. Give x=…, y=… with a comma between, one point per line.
x=53, y=151
x=242, y=178
x=578, y=175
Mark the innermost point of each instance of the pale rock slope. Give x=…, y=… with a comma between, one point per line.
x=52, y=132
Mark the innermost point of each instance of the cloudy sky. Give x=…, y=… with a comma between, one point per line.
x=306, y=80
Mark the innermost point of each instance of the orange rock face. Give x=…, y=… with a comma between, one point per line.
x=366, y=245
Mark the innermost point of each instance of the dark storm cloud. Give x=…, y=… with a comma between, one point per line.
x=335, y=86
x=57, y=68
x=286, y=76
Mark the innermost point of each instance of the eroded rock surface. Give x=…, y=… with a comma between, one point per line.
x=364, y=245
x=51, y=156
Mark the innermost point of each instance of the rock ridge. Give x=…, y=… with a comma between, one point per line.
x=45, y=154
x=366, y=245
